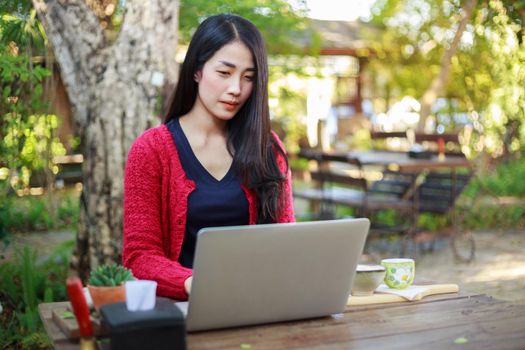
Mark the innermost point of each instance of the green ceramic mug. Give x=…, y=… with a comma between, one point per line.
x=399, y=272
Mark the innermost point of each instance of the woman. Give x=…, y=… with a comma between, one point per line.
x=214, y=161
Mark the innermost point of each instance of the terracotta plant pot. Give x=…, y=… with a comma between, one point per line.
x=106, y=295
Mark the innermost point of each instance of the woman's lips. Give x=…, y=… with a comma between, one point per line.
x=229, y=105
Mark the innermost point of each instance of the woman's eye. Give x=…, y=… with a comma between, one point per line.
x=224, y=73
x=249, y=77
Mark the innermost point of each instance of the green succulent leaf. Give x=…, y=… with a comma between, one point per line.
x=110, y=275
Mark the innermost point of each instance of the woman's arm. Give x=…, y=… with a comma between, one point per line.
x=144, y=250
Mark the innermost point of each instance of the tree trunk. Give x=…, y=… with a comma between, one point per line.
x=439, y=82
x=113, y=89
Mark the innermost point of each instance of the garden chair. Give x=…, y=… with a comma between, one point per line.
x=389, y=140
x=341, y=182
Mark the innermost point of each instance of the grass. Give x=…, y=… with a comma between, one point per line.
x=26, y=283
x=39, y=213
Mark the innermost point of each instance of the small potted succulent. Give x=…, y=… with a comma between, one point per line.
x=106, y=284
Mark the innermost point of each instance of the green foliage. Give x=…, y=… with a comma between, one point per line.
x=407, y=47
x=484, y=215
x=287, y=105
x=19, y=6
x=279, y=22
x=505, y=180
x=504, y=124
x=110, y=275
x=478, y=206
x=22, y=27
x=38, y=139
x=4, y=209
x=27, y=132
x=27, y=140
x=298, y=164
x=26, y=283
x=487, y=74
x=21, y=88
x=29, y=319
x=432, y=222
x=36, y=213
x=38, y=340
x=68, y=211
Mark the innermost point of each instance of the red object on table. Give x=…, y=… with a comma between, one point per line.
x=80, y=306
x=441, y=146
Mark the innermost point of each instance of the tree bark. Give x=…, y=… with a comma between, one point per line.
x=439, y=82
x=113, y=89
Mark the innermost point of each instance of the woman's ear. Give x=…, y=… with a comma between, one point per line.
x=197, y=76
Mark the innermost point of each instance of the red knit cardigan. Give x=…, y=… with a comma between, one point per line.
x=156, y=192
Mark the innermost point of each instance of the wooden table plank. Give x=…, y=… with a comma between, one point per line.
x=508, y=333
x=57, y=337
x=400, y=161
x=69, y=326
x=434, y=322
x=362, y=325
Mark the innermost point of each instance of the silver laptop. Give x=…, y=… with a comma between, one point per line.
x=246, y=275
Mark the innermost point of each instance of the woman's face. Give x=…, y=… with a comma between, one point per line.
x=226, y=81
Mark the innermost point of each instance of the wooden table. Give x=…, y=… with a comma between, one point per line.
x=463, y=321
x=419, y=169
x=422, y=185
x=400, y=161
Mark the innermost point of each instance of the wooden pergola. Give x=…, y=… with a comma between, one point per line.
x=347, y=38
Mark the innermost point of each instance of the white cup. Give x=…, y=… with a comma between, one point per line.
x=140, y=295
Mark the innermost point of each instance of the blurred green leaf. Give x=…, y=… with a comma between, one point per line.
x=461, y=340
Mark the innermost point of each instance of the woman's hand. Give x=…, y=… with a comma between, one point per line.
x=187, y=284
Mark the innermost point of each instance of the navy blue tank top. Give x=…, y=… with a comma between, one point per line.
x=213, y=203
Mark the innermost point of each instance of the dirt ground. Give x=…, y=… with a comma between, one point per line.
x=43, y=242
x=498, y=268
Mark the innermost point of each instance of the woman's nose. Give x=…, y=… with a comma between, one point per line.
x=235, y=86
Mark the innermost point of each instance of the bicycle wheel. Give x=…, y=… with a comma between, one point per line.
x=463, y=245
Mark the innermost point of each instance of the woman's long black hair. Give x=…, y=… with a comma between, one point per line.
x=249, y=134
